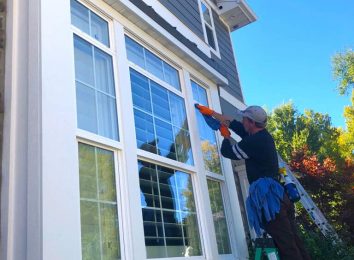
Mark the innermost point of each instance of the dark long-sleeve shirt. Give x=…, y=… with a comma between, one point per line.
x=257, y=149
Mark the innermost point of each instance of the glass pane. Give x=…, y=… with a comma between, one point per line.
x=154, y=64
x=169, y=231
x=90, y=231
x=164, y=137
x=135, y=52
x=160, y=101
x=110, y=232
x=104, y=72
x=183, y=146
x=106, y=179
x=178, y=112
x=83, y=61
x=107, y=116
x=86, y=108
x=207, y=135
x=141, y=91
x=145, y=134
x=206, y=14
x=80, y=16
x=99, y=29
x=220, y=224
x=87, y=161
x=210, y=36
x=171, y=76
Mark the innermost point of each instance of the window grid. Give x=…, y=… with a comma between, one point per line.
x=98, y=197
x=161, y=208
x=130, y=43
x=181, y=150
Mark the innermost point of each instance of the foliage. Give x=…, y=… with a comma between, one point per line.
x=321, y=248
x=346, y=139
x=293, y=131
x=343, y=70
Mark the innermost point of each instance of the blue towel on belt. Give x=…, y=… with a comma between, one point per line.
x=265, y=196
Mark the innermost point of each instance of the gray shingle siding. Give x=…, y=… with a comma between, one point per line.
x=188, y=12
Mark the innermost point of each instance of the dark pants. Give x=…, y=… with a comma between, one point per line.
x=283, y=231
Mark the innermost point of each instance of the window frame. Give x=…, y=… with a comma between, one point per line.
x=111, y=51
x=180, y=93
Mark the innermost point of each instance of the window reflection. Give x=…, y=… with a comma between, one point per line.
x=160, y=120
x=169, y=212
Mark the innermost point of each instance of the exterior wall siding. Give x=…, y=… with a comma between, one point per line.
x=227, y=61
x=188, y=12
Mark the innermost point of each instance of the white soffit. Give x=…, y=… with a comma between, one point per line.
x=235, y=13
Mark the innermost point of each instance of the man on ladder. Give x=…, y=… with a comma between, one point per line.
x=268, y=206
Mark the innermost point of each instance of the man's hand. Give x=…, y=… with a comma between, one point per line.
x=224, y=131
x=204, y=110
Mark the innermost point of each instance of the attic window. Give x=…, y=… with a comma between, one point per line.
x=207, y=20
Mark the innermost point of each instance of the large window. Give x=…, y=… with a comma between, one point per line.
x=98, y=204
x=219, y=218
x=169, y=212
x=210, y=148
x=94, y=77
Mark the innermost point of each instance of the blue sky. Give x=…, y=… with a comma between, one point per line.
x=286, y=54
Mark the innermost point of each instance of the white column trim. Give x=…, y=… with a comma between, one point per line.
x=133, y=232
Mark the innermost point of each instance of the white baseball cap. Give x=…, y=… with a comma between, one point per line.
x=255, y=113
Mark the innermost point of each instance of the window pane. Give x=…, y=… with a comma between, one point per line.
x=206, y=14
x=210, y=36
x=165, y=143
x=90, y=230
x=145, y=135
x=86, y=108
x=135, y=52
x=154, y=64
x=83, y=61
x=104, y=72
x=156, y=131
x=80, y=16
x=207, y=135
x=160, y=102
x=87, y=161
x=99, y=29
x=220, y=224
x=107, y=116
x=183, y=145
x=171, y=76
x=171, y=227
x=98, y=204
x=178, y=112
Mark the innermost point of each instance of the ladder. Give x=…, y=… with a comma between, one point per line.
x=311, y=208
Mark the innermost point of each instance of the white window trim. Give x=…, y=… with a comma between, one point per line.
x=216, y=51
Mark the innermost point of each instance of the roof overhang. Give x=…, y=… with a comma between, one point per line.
x=235, y=13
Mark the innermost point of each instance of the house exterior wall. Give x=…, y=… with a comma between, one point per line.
x=41, y=170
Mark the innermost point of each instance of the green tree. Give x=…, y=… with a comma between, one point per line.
x=346, y=139
x=343, y=71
